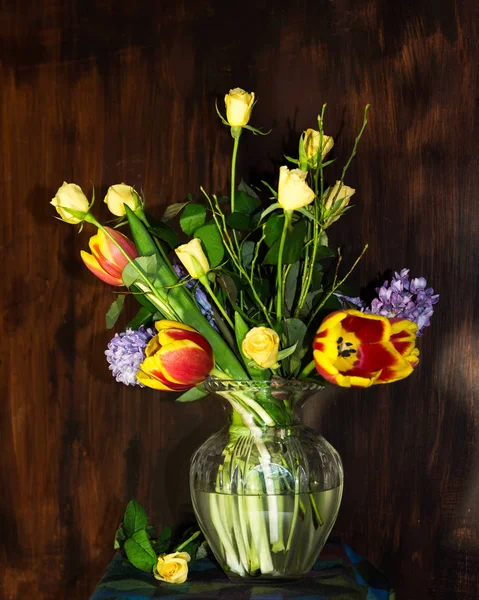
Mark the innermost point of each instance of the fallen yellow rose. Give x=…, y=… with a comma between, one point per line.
x=172, y=568
x=70, y=196
x=261, y=344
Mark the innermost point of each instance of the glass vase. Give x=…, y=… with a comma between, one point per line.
x=265, y=489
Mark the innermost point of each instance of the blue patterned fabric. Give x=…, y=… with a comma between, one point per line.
x=338, y=574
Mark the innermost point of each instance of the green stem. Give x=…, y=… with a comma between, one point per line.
x=233, y=181
x=307, y=370
x=190, y=539
x=279, y=274
x=206, y=283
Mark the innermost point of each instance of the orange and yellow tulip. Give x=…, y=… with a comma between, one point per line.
x=177, y=358
x=355, y=349
x=106, y=261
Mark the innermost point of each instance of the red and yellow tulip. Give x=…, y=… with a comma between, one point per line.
x=355, y=349
x=106, y=261
x=177, y=358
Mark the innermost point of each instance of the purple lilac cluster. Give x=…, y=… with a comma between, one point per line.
x=126, y=352
x=200, y=295
x=405, y=298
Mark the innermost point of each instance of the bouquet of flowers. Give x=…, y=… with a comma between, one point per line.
x=256, y=294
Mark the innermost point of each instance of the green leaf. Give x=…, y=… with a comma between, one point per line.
x=139, y=551
x=163, y=232
x=238, y=221
x=143, y=241
x=211, y=238
x=192, y=217
x=270, y=209
x=287, y=351
x=143, y=316
x=120, y=537
x=228, y=284
x=323, y=239
x=294, y=332
x=293, y=247
x=192, y=395
x=245, y=203
x=244, y=187
x=174, y=209
x=135, y=518
x=324, y=252
x=247, y=254
x=151, y=532
x=273, y=229
x=148, y=264
x=163, y=542
x=114, y=311
x=290, y=287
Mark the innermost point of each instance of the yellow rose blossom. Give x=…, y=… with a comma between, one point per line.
x=71, y=196
x=193, y=258
x=261, y=344
x=238, y=107
x=293, y=191
x=338, y=192
x=172, y=568
x=120, y=194
x=311, y=139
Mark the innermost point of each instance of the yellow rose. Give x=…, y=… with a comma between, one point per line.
x=172, y=568
x=238, y=107
x=70, y=196
x=311, y=139
x=120, y=194
x=339, y=192
x=193, y=258
x=261, y=344
x=293, y=191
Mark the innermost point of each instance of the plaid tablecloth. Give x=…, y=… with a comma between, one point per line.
x=339, y=573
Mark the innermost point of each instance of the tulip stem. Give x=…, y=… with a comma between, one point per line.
x=279, y=287
x=161, y=305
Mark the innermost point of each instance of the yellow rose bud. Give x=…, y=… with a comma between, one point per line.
x=70, y=196
x=238, y=107
x=311, y=139
x=261, y=344
x=339, y=192
x=293, y=191
x=172, y=568
x=120, y=194
x=193, y=258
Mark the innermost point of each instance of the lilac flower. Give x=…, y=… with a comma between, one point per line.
x=200, y=295
x=126, y=352
x=405, y=299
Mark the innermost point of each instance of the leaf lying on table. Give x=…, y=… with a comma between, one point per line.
x=142, y=545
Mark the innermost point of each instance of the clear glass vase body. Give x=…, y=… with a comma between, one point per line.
x=266, y=497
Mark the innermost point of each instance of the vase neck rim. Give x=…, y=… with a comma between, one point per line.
x=213, y=384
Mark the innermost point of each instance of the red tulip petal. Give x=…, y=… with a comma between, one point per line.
x=94, y=266
x=365, y=327
x=374, y=357
x=184, y=362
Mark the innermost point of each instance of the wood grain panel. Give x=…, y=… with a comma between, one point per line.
x=109, y=92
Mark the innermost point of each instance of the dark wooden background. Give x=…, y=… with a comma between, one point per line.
x=124, y=91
